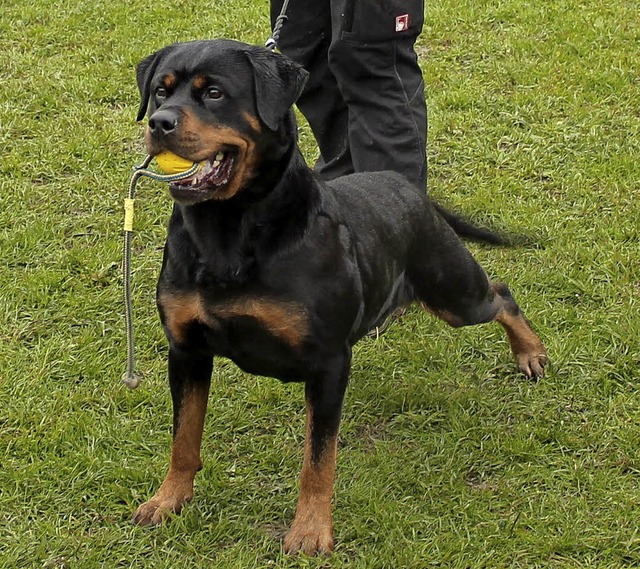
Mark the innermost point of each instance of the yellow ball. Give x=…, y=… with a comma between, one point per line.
x=171, y=163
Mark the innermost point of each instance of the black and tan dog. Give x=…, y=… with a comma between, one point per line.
x=280, y=272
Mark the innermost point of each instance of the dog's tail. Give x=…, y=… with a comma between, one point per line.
x=469, y=231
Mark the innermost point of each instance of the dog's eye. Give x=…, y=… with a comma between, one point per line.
x=213, y=93
x=161, y=93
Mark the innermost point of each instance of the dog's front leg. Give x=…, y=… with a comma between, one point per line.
x=312, y=528
x=189, y=378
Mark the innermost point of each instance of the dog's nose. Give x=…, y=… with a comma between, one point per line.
x=163, y=121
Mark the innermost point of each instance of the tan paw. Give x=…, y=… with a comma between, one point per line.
x=310, y=538
x=532, y=362
x=159, y=509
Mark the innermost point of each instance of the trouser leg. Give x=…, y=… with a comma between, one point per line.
x=365, y=97
x=381, y=82
x=305, y=38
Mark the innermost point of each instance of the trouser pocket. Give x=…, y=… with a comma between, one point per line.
x=382, y=20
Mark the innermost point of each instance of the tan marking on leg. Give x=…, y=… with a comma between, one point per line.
x=181, y=310
x=448, y=317
x=312, y=528
x=177, y=487
x=526, y=346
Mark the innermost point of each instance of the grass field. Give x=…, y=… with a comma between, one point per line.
x=448, y=458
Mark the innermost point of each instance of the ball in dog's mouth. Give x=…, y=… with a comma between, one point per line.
x=170, y=163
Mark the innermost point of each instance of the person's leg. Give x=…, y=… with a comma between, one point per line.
x=373, y=59
x=305, y=37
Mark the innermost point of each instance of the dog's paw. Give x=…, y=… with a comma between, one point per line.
x=309, y=537
x=532, y=362
x=158, y=510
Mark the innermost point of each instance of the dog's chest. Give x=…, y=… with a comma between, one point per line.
x=234, y=325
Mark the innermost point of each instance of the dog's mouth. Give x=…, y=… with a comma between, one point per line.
x=215, y=173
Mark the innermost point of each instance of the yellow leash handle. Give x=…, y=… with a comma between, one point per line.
x=129, y=205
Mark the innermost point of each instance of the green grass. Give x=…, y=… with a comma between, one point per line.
x=448, y=458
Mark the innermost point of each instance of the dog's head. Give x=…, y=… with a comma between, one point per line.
x=218, y=102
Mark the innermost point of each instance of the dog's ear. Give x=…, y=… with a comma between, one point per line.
x=144, y=72
x=278, y=82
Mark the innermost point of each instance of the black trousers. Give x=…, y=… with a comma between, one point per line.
x=365, y=97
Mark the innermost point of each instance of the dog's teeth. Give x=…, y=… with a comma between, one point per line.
x=219, y=157
x=216, y=163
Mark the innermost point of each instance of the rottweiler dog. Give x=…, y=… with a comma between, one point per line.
x=281, y=272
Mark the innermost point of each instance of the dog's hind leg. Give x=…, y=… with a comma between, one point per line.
x=526, y=346
x=456, y=289
x=499, y=305
x=189, y=378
